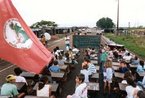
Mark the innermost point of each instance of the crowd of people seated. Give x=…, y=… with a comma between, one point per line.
x=135, y=83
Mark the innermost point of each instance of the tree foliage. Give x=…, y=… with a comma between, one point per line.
x=105, y=23
x=44, y=24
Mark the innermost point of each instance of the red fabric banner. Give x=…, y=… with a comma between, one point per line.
x=18, y=44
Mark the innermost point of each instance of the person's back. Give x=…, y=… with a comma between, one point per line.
x=60, y=61
x=91, y=68
x=43, y=89
x=9, y=88
x=123, y=67
x=85, y=72
x=44, y=92
x=140, y=66
x=127, y=57
x=19, y=78
x=135, y=61
x=139, y=69
x=131, y=88
x=104, y=56
x=81, y=90
x=54, y=67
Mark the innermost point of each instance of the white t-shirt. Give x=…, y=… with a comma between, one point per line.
x=130, y=91
x=81, y=90
x=86, y=74
x=20, y=79
x=47, y=36
x=127, y=58
x=44, y=92
x=61, y=62
x=75, y=50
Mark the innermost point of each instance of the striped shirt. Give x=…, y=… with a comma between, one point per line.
x=91, y=68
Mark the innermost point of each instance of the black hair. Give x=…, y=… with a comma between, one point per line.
x=81, y=77
x=141, y=94
x=128, y=54
x=86, y=59
x=55, y=62
x=136, y=58
x=85, y=67
x=127, y=75
x=43, y=80
x=141, y=62
x=60, y=57
x=57, y=48
x=131, y=82
x=17, y=71
x=42, y=35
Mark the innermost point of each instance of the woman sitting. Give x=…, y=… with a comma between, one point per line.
x=44, y=89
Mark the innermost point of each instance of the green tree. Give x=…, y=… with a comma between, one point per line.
x=105, y=23
x=44, y=24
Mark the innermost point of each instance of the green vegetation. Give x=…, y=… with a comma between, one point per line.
x=135, y=44
x=43, y=24
x=105, y=23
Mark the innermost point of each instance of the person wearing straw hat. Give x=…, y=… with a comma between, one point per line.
x=10, y=89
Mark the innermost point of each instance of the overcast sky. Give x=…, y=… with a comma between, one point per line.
x=81, y=12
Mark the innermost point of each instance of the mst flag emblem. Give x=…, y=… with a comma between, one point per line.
x=18, y=44
x=15, y=35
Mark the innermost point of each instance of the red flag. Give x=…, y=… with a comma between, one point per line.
x=18, y=44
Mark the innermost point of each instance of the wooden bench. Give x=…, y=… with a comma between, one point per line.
x=94, y=77
x=133, y=66
x=93, y=86
x=28, y=75
x=58, y=76
x=29, y=96
x=115, y=63
x=95, y=62
x=4, y=96
x=119, y=75
x=115, y=67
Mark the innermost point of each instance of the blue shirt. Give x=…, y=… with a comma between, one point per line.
x=9, y=89
x=123, y=69
x=139, y=69
x=54, y=68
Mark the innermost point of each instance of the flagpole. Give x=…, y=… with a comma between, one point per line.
x=118, y=17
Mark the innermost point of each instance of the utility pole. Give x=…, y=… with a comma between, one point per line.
x=118, y=17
